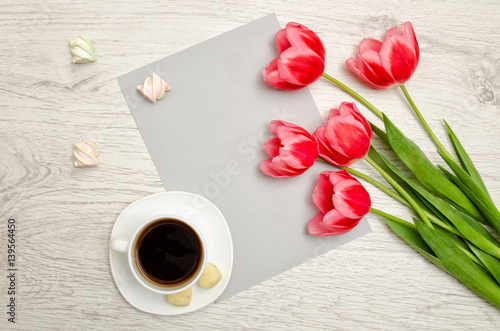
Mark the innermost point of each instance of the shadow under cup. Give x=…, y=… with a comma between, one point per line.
x=169, y=254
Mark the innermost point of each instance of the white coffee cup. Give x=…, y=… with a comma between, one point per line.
x=153, y=261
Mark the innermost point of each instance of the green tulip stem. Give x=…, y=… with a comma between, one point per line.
x=401, y=191
x=424, y=123
x=392, y=217
x=408, y=224
x=355, y=95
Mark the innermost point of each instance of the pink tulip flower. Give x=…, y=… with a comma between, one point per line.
x=292, y=151
x=342, y=202
x=301, y=60
x=345, y=138
x=388, y=63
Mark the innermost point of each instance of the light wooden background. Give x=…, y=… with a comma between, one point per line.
x=65, y=215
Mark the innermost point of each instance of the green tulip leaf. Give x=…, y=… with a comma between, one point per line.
x=478, y=202
x=476, y=194
x=465, y=160
x=410, y=234
x=459, y=264
x=491, y=263
x=431, y=212
x=423, y=169
x=479, y=228
x=379, y=133
x=471, y=232
x=462, y=246
x=377, y=158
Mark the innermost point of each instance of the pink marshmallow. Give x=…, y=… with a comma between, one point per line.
x=85, y=153
x=153, y=88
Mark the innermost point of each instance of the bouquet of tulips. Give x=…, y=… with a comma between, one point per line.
x=455, y=223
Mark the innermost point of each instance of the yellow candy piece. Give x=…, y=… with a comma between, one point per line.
x=82, y=49
x=181, y=299
x=210, y=276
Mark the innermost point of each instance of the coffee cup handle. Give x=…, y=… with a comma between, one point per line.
x=119, y=245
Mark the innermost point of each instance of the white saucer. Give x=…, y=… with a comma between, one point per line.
x=209, y=221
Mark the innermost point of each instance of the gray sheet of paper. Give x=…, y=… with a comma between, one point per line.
x=206, y=136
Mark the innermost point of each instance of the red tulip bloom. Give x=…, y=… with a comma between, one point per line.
x=388, y=63
x=301, y=60
x=346, y=137
x=292, y=151
x=342, y=202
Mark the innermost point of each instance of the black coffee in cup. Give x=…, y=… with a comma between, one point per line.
x=168, y=252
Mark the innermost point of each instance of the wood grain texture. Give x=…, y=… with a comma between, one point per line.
x=65, y=215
